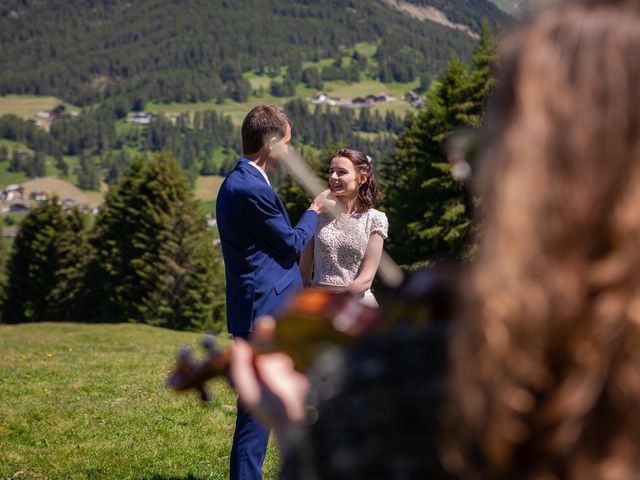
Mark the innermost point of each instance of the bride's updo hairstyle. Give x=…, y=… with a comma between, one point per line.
x=367, y=192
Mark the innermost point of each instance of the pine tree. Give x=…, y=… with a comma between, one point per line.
x=155, y=262
x=15, y=163
x=484, y=60
x=61, y=164
x=425, y=206
x=75, y=255
x=36, y=166
x=192, y=282
x=46, y=266
x=207, y=168
x=88, y=173
x=4, y=153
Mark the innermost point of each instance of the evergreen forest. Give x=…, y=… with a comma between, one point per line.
x=84, y=51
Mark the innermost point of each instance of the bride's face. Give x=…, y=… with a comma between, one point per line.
x=344, y=179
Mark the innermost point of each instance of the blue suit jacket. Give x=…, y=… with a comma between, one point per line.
x=259, y=246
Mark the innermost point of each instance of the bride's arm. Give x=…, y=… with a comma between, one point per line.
x=306, y=263
x=369, y=267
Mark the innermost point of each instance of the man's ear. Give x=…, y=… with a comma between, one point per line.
x=276, y=147
x=269, y=144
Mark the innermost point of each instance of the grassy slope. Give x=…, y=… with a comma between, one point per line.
x=207, y=188
x=340, y=89
x=88, y=401
x=26, y=106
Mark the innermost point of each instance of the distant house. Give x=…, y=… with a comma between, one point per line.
x=319, y=98
x=18, y=207
x=57, y=112
x=13, y=192
x=39, y=196
x=323, y=98
x=38, y=122
x=414, y=99
x=68, y=203
x=44, y=118
x=142, y=118
x=371, y=99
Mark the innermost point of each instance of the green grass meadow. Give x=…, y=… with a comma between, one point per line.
x=26, y=106
x=88, y=402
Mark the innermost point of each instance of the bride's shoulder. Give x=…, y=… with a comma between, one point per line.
x=379, y=222
x=377, y=214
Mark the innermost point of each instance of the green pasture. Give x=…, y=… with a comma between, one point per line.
x=342, y=89
x=206, y=188
x=236, y=110
x=258, y=81
x=26, y=106
x=367, y=49
x=81, y=401
x=7, y=177
x=339, y=89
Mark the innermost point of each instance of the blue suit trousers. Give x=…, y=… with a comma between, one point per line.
x=249, y=445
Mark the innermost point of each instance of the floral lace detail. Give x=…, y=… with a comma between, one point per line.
x=340, y=244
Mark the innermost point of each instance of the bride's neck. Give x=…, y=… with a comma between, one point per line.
x=350, y=204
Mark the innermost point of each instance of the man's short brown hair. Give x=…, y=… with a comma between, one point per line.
x=262, y=121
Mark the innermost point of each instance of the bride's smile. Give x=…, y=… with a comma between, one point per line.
x=344, y=180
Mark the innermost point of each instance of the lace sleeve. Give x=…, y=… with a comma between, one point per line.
x=379, y=224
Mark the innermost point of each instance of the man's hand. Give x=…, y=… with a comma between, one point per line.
x=323, y=202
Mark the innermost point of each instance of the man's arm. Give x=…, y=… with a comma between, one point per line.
x=265, y=221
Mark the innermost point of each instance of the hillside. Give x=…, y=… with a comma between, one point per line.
x=195, y=50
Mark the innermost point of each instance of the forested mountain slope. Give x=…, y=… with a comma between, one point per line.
x=85, y=50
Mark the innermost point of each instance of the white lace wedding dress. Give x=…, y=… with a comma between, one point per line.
x=339, y=245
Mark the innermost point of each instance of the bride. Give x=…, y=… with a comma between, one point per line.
x=345, y=251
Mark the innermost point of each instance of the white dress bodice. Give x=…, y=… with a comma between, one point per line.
x=340, y=244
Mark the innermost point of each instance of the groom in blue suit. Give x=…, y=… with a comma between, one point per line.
x=260, y=249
